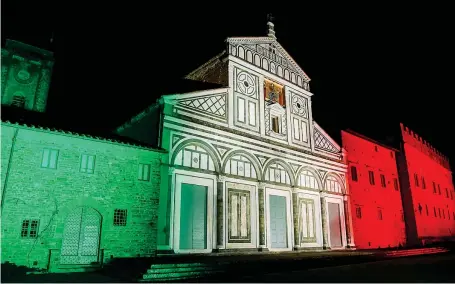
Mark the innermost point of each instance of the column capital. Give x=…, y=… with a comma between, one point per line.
x=171, y=171
x=220, y=178
x=261, y=185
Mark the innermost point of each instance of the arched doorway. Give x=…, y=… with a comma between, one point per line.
x=81, y=237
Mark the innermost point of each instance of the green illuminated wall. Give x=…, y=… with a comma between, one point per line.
x=26, y=75
x=49, y=195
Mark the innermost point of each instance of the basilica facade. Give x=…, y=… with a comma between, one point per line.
x=247, y=168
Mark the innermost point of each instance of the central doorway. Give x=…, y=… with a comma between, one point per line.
x=278, y=227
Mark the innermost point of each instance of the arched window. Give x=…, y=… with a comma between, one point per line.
x=194, y=156
x=307, y=179
x=332, y=185
x=277, y=173
x=241, y=166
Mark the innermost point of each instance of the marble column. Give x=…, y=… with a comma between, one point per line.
x=262, y=225
x=220, y=212
x=296, y=211
x=325, y=235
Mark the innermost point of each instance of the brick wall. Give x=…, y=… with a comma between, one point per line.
x=34, y=192
x=369, y=231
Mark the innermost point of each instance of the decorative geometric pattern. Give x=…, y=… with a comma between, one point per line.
x=246, y=84
x=267, y=121
x=221, y=150
x=213, y=105
x=294, y=167
x=176, y=139
x=307, y=223
x=262, y=159
x=269, y=55
x=322, y=143
x=299, y=105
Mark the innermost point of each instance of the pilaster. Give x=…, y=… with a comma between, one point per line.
x=220, y=212
x=261, y=197
x=324, y=223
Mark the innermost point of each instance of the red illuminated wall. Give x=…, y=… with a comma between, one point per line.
x=370, y=231
x=427, y=184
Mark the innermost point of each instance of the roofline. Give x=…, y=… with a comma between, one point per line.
x=78, y=135
x=11, y=43
x=350, y=131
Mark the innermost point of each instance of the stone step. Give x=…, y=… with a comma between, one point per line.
x=177, y=265
x=416, y=252
x=181, y=275
x=177, y=269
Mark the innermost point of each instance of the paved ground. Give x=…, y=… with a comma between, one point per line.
x=430, y=268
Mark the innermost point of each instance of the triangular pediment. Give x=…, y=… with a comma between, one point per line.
x=271, y=49
x=322, y=141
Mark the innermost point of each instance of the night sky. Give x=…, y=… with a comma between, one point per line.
x=371, y=66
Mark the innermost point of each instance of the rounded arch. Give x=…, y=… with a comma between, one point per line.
x=311, y=170
x=285, y=166
x=293, y=78
x=257, y=60
x=211, y=152
x=280, y=71
x=253, y=160
x=286, y=74
x=331, y=176
x=241, y=52
x=265, y=63
x=299, y=81
x=249, y=56
x=87, y=202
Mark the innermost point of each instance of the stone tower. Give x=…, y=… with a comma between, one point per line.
x=26, y=74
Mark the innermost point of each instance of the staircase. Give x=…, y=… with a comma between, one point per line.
x=412, y=252
x=182, y=271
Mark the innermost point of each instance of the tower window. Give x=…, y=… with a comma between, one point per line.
x=426, y=209
x=379, y=214
x=439, y=189
x=434, y=187
x=395, y=183
x=358, y=212
x=354, y=173
x=371, y=176
x=447, y=193
x=18, y=101
x=383, y=183
x=424, y=185
x=376, y=148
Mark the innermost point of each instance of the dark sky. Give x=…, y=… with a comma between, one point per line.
x=371, y=66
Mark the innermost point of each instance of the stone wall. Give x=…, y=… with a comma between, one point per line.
x=49, y=195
